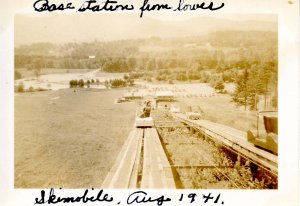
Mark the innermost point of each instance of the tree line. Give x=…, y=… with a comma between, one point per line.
x=247, y=58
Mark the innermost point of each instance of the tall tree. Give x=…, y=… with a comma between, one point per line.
x=241, y=93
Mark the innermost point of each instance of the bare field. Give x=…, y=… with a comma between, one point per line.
x=68, y=139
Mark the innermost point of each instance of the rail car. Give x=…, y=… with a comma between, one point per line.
x=143, y=117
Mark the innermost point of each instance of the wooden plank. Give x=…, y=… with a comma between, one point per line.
x=146, y=161
x=155, y=165
x=135, y=170
x=111, y=173
x=229, y=130
x=162, y=161
x=157, y=171
x=165, y=167
x=120, y=174
x=160, y=149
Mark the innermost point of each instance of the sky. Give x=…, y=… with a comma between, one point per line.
x=64, y=28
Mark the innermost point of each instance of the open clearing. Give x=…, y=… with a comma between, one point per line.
x=221, y=110
x=57, y=79
x=68, y=139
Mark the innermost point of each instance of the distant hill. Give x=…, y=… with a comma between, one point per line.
x=87, y=28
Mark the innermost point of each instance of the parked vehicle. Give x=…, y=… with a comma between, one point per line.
x=194, y=112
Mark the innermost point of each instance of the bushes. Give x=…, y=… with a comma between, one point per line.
x=117, y=83
x=88, y=83
x=161, y=78
x=18, y=75
x=30, y=89
x=40, y=89
x=73, y=83
x=181, y=77
x=220, y=87
x=81, y=83
x=20, y=88
x=111, y=83
x=136, y=75
x=130, y=82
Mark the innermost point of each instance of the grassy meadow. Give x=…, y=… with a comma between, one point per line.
x=68, y=139
x=222, y=110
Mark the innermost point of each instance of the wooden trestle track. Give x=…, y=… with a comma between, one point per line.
x=143, y=163
x=235, y=140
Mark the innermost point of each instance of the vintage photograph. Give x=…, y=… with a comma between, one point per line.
x=113, y=101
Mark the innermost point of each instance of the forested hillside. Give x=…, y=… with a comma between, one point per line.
x=247, y=58
x=220, y=50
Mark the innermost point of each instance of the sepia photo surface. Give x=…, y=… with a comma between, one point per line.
x=110, y=101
